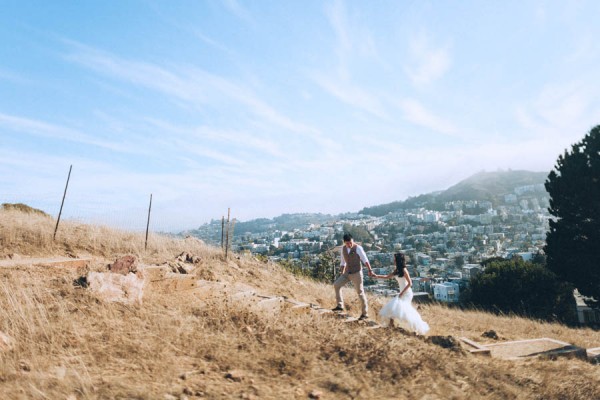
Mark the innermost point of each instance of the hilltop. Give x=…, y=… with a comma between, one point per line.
x=69, y=343
x=483, y=186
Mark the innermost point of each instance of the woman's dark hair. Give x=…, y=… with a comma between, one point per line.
x=400, y=261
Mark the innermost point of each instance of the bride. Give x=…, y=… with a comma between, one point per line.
x=400, y=309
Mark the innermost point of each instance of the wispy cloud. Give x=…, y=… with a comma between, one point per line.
x=351, y=94
x=414, y=112
x=186, y=83
x=561, y=110
x=239, y=11
x=13, y=77
x=44, y=129
x=428, y=62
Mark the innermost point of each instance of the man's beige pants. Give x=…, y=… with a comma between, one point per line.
x=357, y=281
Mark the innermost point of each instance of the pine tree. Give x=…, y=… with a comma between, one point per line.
x=573, y=241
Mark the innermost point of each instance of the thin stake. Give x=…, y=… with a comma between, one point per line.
x=62, y=203
x=148, y=223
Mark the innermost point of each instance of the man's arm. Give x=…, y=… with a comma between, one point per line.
x=342, y=262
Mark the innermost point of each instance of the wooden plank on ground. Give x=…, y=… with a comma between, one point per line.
x=47, y=262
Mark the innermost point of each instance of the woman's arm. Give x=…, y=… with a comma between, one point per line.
x=388, y=276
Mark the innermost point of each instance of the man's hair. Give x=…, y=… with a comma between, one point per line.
x=347, y=237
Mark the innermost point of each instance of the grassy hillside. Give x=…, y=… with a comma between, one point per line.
x=70, y=345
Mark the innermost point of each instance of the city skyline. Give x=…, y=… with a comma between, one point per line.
x=290, y=107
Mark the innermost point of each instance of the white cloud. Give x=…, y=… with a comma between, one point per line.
x=351, y=94
x=428, y=63
x=417, y=114
x=52, y=131
x=563, y=112
x=189, y=84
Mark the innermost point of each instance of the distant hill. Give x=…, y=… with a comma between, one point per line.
x=285, y=222
x=481, y=186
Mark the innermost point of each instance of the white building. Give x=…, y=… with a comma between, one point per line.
x=447, y=292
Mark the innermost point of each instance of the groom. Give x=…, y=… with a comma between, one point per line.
x=351, y=269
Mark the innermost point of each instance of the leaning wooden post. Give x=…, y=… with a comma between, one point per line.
x=62, y=203
x=227, y=234
x=148, y=223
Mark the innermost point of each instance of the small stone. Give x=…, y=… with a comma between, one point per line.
x=490, y=334
x=235, y=376
x=24, y=366
x=6, y=342
x=188, y=391
x=315, y=394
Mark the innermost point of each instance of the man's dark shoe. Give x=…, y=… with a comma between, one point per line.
x=338, y=308
x=363, y=317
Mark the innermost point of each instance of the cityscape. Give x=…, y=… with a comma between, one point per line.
x=445, y=246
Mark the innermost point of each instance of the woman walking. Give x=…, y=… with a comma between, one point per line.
x=400, y=309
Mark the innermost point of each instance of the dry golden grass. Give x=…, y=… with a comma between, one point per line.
x=68, y=344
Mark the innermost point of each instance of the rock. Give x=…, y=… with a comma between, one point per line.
x=123, y=265
x=447, y=342
x=184, y=268
x=6, y=342
x=315, y=394
x=234, y=375
x=188, y=258
x=490, y=334
x=126, y=289
x=24, y=366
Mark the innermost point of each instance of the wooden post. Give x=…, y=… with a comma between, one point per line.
x=148, y=223
x=222, y=231
x=62, y=203
x=227, y=234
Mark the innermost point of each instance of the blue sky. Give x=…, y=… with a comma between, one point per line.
x=280, y=107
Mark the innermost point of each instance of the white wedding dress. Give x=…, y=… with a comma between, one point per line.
x=402, y=312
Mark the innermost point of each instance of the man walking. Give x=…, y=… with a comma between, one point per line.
x=351, y=257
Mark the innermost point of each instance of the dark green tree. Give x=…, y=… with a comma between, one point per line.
x=573, y=241
x=523, y=288
x=324, y=268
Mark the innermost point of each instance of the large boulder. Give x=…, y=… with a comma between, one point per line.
x=128, y=289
